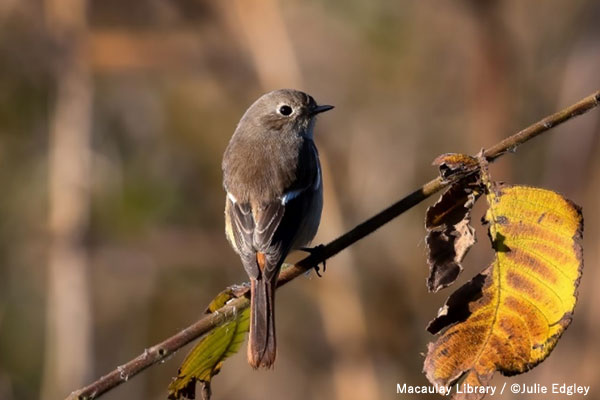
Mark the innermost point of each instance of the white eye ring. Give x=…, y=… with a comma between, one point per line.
x=285, y=110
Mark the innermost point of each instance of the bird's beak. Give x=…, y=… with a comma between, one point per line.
x=320, y=109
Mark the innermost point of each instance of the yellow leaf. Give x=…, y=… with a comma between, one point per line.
x=509, y=317
x=206, y=358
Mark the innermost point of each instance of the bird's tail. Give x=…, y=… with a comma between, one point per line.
x=261, y=342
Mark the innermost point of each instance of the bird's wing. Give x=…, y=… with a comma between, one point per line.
x=279, y=222
x=268, y=220
x=271, y=227
x=253, y=229
x=242, y=229
x=308, y=173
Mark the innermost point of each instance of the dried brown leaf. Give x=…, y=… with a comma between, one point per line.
x=449, y=232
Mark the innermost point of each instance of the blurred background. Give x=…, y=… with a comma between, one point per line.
x=114, y=116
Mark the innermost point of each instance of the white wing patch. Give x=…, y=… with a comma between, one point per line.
x=231, y=197
x=292, y=194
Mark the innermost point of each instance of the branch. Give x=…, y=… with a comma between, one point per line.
x=162, y=350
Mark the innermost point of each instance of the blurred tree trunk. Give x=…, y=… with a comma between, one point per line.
x=68, y=358
x=262, y=28
x=488, y=95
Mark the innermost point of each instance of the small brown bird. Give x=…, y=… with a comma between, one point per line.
x=272, y=177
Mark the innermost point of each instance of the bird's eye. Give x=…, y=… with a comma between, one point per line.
x=285, y=110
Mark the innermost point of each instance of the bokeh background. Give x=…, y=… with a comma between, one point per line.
x=113, y=119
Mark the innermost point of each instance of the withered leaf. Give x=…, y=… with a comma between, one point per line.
x=456, y=165
x=510, y=317
x=449, y=232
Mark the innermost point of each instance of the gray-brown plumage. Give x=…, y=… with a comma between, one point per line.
x=272, y=176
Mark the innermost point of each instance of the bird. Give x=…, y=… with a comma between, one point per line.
x=273, y=180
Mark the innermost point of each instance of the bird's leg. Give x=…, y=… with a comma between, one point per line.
x=316, y=251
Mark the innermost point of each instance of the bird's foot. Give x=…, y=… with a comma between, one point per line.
x=317, y=251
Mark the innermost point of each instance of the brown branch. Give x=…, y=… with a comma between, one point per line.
x=162, y=350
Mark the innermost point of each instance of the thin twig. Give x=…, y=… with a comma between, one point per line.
x=162, y=350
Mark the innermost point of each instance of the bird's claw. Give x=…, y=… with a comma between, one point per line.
x=316, y=251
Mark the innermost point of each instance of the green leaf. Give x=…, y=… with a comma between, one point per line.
x=206, y=358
